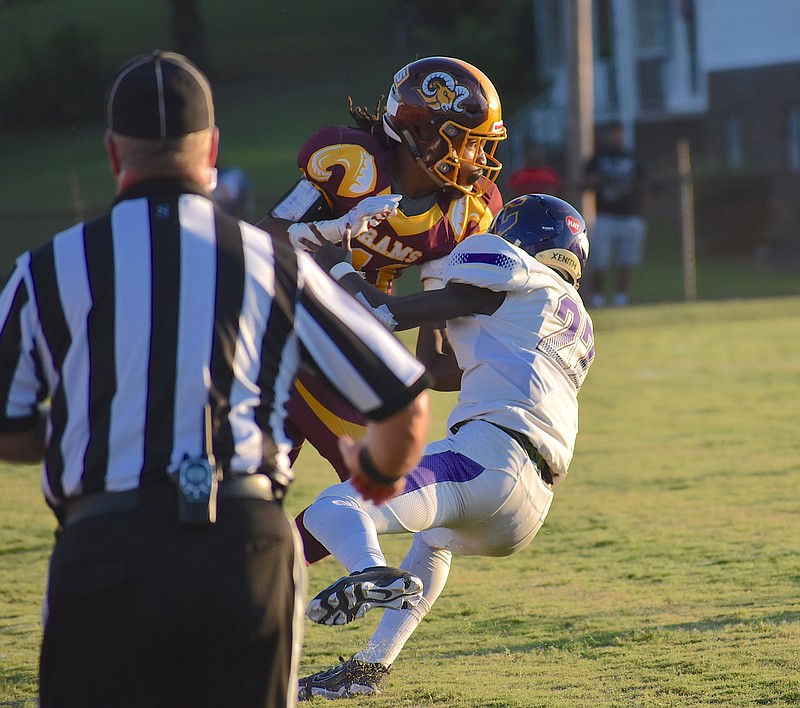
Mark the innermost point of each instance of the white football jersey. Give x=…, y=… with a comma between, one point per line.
x=524, y=364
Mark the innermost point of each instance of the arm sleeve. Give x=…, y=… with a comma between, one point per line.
x=368, y=365
x=303, y=202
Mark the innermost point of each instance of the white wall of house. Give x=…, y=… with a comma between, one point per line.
x=670, y=62
x=736, y=34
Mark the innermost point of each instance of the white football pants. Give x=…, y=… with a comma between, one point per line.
x=474, y=493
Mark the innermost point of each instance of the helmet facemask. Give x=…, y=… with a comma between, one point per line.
x=457, y=139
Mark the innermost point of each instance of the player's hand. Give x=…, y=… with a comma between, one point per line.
x=366, y=487
x=328, y=254
x=367, y=214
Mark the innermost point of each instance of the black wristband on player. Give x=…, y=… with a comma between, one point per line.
x=368, y=466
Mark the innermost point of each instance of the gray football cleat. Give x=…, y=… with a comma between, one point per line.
x=356, y=594
x=350, y=678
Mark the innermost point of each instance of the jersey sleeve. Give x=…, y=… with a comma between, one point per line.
x=20, y=387
x=487, y=261
x=345, y=164
x=368, y=365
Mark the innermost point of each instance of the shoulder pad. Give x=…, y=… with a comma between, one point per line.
x=348, y=163
x=487, y=261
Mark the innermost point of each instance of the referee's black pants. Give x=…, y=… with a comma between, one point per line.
x=145, y=612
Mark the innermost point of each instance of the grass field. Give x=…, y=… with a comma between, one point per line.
x=667, y=573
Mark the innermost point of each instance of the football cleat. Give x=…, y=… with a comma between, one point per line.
x=350, y=678
x=356, y=594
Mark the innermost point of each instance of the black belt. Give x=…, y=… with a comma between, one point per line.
x=249, y=486
x=524, y=442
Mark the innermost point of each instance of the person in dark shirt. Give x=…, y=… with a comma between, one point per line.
x=617, y=178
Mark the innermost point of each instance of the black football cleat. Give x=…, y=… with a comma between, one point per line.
x=356, y=594
x=350, y=678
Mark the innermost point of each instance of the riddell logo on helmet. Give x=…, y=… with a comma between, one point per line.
x=574, y=225
x=440, y=91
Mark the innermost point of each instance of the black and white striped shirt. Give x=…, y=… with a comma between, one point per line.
x=129, y=324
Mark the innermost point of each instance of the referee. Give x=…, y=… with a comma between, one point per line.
x=146, y=356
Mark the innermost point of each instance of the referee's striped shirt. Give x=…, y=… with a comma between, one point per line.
x=129, y=324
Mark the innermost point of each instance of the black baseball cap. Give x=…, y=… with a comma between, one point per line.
x=158, y=96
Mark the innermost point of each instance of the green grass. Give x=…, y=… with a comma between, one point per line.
x=666, y=574
x=277, y=74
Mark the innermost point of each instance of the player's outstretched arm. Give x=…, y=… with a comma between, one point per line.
x=429, y=306
x=368, y=213
x=436, y=353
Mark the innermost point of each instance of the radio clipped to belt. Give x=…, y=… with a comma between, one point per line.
x=198, y=482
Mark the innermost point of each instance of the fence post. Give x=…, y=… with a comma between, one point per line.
x=687, y=220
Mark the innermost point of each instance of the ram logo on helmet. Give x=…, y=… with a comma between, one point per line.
x=441, y=92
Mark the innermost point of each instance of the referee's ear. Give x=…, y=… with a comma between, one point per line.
x=212, y=158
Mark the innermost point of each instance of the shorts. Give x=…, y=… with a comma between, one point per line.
x=616, y=239
x=474, y=493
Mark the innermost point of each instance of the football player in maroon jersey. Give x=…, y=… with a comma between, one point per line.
x=411, y=182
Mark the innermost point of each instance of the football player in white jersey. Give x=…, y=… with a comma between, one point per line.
x=524, y=343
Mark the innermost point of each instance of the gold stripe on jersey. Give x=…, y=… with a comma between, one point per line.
x=339, y=426
x=404, y=225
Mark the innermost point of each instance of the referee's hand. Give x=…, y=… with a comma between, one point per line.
x=368, y=489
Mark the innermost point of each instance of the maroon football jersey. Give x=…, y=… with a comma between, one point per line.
x=348, y=164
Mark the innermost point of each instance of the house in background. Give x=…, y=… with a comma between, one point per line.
x=723, y=74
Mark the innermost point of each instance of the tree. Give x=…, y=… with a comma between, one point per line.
x=188, y=35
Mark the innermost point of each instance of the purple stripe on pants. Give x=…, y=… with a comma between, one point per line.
x=442, y=467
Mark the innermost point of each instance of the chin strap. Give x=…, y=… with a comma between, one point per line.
x=417, y=155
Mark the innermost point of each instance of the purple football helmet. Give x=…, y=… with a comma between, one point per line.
x=550, y=229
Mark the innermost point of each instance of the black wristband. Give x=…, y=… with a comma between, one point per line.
x=368, y=466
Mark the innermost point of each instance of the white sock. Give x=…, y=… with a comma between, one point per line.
x=432, y=566
x=344, y=528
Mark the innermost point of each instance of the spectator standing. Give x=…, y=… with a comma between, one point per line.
x=165, y=336
x=617, y=178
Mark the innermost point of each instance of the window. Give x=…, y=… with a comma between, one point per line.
x=652, y=24
x=734, y=152
x=551, y=33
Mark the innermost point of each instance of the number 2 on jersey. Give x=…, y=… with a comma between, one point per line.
x=572, y=346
